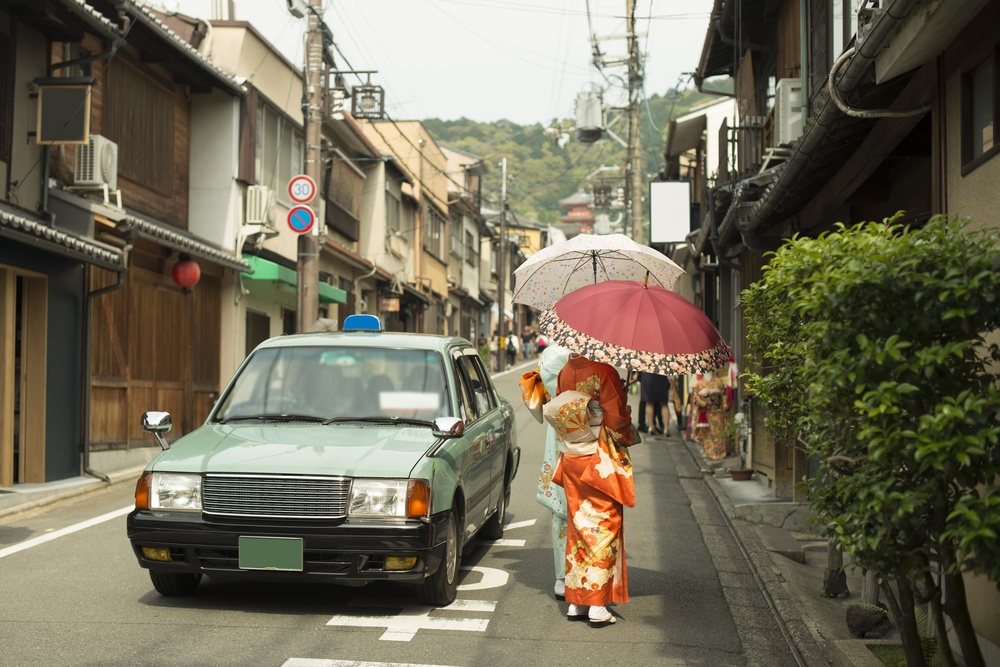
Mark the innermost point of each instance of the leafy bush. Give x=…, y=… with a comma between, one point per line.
x=874, y=355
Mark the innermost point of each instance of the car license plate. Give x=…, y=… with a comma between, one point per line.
x=271, y=553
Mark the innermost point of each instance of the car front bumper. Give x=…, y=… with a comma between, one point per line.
x=349, y=551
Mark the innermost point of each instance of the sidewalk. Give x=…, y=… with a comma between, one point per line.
x=27, y=497
x=789, y=562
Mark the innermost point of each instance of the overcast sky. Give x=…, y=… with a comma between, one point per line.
x=487, y=60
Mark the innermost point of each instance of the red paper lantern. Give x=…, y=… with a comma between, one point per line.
x=186, y=272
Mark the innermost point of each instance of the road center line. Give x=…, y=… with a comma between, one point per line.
x=48, y=537
x=513, y=525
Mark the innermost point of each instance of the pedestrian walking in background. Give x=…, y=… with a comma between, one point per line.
x=511, y=348
x=550, y=495
x=710, y=399
x=597, y=479
x=654, y=393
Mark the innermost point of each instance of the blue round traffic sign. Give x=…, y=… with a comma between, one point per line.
x=301, y=219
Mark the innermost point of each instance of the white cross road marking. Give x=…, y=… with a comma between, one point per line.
x=404, y=626
x=492, y=578
x=318, y=662
x=42, y=539
x=520, y=524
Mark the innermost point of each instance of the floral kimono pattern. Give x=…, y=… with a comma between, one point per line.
x=709, y=397
x=597, y=486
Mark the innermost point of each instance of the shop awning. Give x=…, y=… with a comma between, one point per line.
x=264, y=269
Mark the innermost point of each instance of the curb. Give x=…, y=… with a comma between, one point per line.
x=31, y=500
x=787, y=610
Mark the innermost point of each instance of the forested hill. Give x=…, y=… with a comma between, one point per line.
x=540, y=171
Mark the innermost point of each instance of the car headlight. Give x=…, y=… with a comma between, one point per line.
x=175, y=491
x=402, y=498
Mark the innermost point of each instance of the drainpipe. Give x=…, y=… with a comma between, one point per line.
x=88, y=319
x=855, y=71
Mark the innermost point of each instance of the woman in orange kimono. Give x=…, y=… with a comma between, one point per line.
x=598, y=481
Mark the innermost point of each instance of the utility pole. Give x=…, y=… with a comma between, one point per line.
x=633, y=165
x=307, y=291
x=502, y=273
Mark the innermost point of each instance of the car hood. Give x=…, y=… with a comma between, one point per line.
x=296, y=449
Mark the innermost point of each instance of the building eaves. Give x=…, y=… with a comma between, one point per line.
x=167, y=235
x=95, y=19
x=149, y=18
x=20, y=227
x=817, y=154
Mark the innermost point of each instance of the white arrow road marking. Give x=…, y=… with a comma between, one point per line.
x=42, y=539
x=520, y=524
x=317, y=662
x=492, y=578
x=404, y=626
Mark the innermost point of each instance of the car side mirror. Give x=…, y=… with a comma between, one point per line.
x=448, y=427
x=157, y=423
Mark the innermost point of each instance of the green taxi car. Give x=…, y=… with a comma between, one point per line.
x=345, y=457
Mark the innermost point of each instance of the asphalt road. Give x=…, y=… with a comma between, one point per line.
x=71, y=592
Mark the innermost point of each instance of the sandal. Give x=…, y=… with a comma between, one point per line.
x=577, y=613
x=601, y=621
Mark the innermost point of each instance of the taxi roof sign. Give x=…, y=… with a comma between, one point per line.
x=362, y=322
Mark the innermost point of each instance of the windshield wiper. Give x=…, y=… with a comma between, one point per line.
x=273, y=418
x=380, y=420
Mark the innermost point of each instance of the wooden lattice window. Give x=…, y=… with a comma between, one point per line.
x=139, y=117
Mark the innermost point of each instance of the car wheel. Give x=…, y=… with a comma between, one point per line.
x=174, y=583
x=493, y=530
x=440, y=588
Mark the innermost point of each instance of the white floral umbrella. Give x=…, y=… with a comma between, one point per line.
x=586, y=259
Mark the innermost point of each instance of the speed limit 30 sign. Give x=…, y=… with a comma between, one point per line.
x=302, y=189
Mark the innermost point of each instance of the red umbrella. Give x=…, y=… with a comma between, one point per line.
x=636, y=326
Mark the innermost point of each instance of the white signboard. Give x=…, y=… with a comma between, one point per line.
x=669, y=211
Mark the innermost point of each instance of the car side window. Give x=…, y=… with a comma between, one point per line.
x=491, y=392
x=467, y=402
x=480, y=384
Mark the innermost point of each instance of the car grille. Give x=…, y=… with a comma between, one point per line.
x=288, y=497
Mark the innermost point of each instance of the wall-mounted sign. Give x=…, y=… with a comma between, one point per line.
x=63, y=110
x=388, y=304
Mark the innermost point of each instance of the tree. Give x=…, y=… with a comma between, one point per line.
x=874, y=352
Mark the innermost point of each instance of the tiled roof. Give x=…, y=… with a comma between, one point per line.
x=27, y=230
x=163, y=233
x=140, y=9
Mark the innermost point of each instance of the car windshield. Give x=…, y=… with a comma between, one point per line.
x=332, y=383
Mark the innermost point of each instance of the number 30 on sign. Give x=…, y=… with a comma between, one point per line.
x=301, y=189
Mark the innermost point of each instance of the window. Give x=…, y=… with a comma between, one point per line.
x=979, y=111
x=470, y=249
x=279, y=151
x=455, y=231
x=434, y=233
x=392, y=205
x=476, y=374
x=139, y=117
x=6, y=97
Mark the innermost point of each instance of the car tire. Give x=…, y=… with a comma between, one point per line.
x=493, y=529
x=440, y=589
x=174, y=584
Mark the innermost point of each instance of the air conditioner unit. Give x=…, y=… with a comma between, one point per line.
x=258, y=210
x=787, y=111
x=97, y=163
